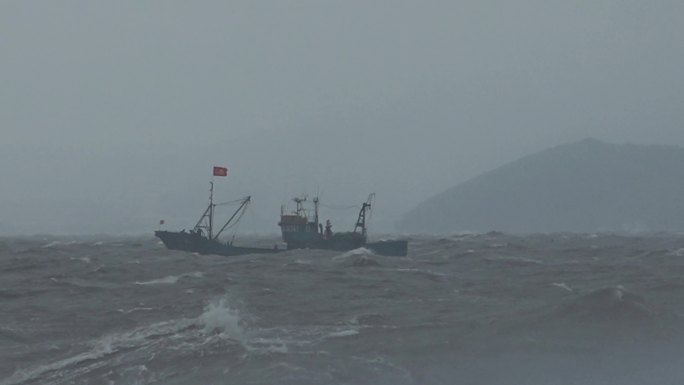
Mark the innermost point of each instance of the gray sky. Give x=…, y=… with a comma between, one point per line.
x=112, y=113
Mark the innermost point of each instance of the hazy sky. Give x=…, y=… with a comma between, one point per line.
x=112, y=113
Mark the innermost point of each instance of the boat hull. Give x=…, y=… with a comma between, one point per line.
x=196, y=243
x=398, y=248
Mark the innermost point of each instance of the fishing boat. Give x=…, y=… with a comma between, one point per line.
x=302, y=229
x=203, y=238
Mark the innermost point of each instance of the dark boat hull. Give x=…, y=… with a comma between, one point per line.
x=397, y=248
x=196, y=243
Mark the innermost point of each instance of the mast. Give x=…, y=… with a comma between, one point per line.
x=211, y=208
x=361, y=220
x=315, y=201
x=206, y=221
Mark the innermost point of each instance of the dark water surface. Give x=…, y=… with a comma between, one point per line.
x=475, y=309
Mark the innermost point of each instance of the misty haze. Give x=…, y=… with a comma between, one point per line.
x=341, y=192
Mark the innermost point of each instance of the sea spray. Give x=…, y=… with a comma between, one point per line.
x=220, y=317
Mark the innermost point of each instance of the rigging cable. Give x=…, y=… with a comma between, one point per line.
x=336, y=207
x=233, y=202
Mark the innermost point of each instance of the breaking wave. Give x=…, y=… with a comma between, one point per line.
x=218, y=319
x=613, y=304
x=172, y=279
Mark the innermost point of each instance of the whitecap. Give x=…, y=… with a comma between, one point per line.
x=171, y=279
x=343, y=333
x=219, y=316
x=22, y=375
x=135, y=309
x=562, y=285
x=52, y=244
x=267, y=346
x=353, y=253
x=420, y=271
x=522, y=260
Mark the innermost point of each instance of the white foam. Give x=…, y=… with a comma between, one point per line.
x=563, y=286
x=100, y=350
x=267, y=346
x=219, y=317
x=52, y=244
x=353, y=253
x=514, y=259
x=420, y=271
x=171, y=279
x=135, y=309
x=281, y=340
x=343, y=333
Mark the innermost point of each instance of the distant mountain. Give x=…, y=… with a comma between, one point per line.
x=581, y=187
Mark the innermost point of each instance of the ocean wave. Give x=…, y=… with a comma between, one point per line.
x=10, y=294
x=361, y=257
x=423, y=272
x=218, y=320
x=61, y=243
x=51, y=244
x=171, y=279
x=220, y=317
x=513, y=260
x=101, y=349
x=343, y=333
x=135, y=309
x=353, y=253
x=611, y=304
x=562, y=285
x=289, y=339
x=84, y=283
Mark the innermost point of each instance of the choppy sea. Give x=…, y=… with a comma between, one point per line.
x=467, y=309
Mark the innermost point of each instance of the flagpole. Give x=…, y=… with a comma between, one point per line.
x=220, y=171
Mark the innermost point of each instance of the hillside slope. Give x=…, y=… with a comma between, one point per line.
x=585, y=186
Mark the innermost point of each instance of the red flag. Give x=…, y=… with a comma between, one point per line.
x=161, y=221
x=220, y=171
